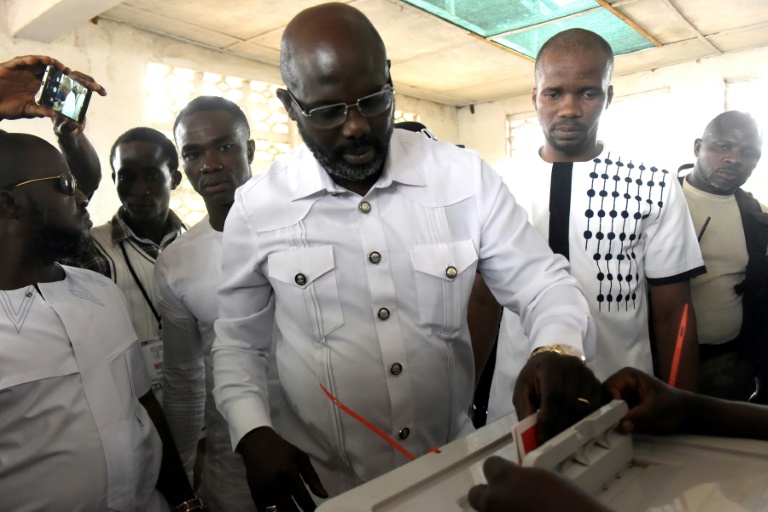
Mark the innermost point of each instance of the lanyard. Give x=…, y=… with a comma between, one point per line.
x=141, y=286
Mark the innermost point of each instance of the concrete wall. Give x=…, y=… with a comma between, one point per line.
x=116, y=55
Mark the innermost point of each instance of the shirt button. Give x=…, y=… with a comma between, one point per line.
x=28, y=294
x=383, y=314
x=374, y=257
x=300, y=279
x=404, y=433
x=396, y=369
x=365, y=207
x=451, y=272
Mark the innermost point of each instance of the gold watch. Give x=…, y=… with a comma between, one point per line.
x=563, y=350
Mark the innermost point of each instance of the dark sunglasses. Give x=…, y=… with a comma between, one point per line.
x=67, y=183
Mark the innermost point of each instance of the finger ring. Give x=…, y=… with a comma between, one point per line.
x=583, y=400
x=271, y=508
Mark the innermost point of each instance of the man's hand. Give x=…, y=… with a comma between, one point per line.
x=654, y=407
x=20, y=79
x=66, y=128
x=560, y=387
x=514, y=489
x=275, y=469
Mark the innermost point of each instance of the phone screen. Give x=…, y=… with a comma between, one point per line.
x=63, y=94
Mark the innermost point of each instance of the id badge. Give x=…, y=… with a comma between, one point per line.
x=152, y=352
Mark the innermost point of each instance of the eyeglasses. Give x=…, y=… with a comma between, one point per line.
x=330, y=116
x=67, y=183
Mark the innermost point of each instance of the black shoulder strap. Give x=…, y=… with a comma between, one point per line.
x=755, y=223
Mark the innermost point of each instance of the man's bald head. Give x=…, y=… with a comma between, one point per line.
x=727, y=153
x=25, y=157
x=733, y=120
x=576, y=40
x=323, y=40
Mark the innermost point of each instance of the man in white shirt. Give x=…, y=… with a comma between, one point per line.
x=79, y=427
x=213, y=137
x=145, y=169
x=622, y=223
x=361, y=249
x=731, y=299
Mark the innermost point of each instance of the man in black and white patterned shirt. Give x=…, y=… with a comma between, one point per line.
x=622, y=223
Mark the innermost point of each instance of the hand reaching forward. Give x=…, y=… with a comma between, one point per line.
x=276, y=472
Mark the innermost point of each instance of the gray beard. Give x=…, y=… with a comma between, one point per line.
x=337, y=167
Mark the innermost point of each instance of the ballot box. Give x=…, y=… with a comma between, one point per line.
x=627, y=473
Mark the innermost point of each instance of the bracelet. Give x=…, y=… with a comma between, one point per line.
x=190, y=505
x=563, y=350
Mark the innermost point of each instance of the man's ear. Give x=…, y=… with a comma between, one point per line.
x=251, y=150
x=9, y=207
x=287, y=102
x=533, y=99
x=175, y=179
x=696, y=147
x=609, y=96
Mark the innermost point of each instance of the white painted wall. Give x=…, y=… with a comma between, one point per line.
x=116, y=55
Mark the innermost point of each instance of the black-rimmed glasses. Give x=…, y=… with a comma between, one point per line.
x=329, y=116
x=67, y=183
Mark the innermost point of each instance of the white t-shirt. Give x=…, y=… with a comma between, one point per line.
x=628, y=225
x=187, y=276
x=369, y=295
x=73, y=434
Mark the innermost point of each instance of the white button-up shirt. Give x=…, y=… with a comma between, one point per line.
x=72, y=431
x=297, y=253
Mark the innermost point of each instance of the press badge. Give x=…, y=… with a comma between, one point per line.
x=152, y=353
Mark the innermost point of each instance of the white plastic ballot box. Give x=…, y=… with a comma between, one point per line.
x=627, y=473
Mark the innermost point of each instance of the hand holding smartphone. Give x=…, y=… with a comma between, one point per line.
x=63, y=94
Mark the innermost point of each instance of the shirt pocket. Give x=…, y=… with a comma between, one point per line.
x=444, y=275
x=306, y=278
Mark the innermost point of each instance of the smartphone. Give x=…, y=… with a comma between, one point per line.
x=63, y=94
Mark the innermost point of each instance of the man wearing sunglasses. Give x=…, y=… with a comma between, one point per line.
x=361, y=249
x=78, y=419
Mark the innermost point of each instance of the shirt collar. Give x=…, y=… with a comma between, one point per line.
x=405, y=171
x=121, y=231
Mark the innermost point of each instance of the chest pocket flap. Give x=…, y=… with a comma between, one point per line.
x=307, y=277
x=437, y=259
x=301, y=267
x=444, y=275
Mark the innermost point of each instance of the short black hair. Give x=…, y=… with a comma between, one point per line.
x=144, y=134
x=576, y=39
x=214, y=103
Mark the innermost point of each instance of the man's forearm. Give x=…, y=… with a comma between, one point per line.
x=668, y=303
x=82, y=161
x=709, y=416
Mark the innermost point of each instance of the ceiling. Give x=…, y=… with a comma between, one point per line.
x=434, y=60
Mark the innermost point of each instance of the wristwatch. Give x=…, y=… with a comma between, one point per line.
x=195, y=504
x=563, y=350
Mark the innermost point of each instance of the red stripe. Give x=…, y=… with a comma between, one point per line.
x=678, y=346
x=376, y=430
